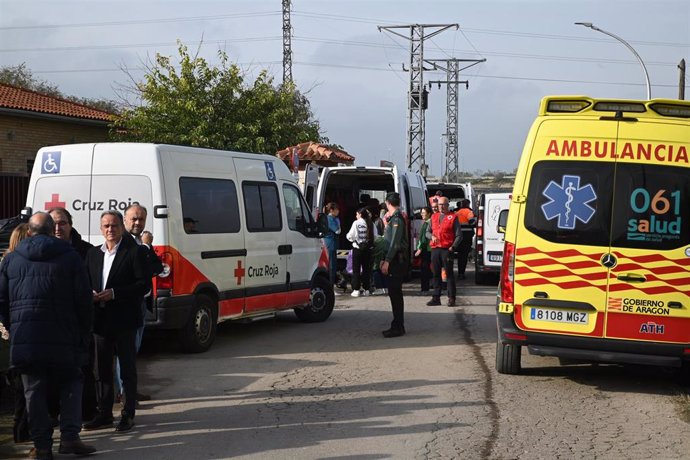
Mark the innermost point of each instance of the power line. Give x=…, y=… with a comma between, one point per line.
x=333, y=17
x=142, y=21
x=353, y=67
x=332, y=42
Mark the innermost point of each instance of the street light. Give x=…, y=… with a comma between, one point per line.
x=646, y=75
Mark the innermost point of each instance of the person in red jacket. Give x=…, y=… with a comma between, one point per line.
x=445, y=239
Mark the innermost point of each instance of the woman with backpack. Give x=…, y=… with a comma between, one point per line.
x=361, y=234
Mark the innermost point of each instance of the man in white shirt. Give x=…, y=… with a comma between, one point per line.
x=120, y=277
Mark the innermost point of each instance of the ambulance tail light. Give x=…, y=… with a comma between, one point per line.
x=507, y=273
x=165, y=279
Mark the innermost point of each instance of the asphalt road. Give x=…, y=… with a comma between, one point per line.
x=283, y=389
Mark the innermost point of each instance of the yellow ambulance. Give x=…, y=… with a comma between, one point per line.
x=596, y=263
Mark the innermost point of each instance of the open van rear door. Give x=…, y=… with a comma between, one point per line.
x=311, y=182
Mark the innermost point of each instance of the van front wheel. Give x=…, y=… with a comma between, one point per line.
x=200, y=331
x=321, y=302
x=508, y=358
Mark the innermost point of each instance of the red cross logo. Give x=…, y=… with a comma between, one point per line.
x=239, y=272
x=54, y=202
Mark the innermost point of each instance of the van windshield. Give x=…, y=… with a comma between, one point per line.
x=573, y=203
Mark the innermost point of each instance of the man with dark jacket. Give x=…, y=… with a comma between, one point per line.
x=66, y=232
x=119, y=277
x=45, y=300
x=395, y=263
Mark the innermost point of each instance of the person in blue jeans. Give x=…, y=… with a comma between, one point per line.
x=330, y=239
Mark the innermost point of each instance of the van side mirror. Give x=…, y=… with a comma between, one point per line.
x=502, y=221
x=25, y=213
x=311, y=230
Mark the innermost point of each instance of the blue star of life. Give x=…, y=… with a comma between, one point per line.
x=568, y=202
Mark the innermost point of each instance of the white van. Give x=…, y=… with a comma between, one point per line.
x=492, y=215
x=346, y=184
x=455, y=192
x=233, y=228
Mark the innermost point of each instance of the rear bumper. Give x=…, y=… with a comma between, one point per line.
x=593, y=348
x=170, y=312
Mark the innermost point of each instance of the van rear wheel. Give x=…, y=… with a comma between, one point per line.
x=321, y=302
x=508, y=358
x=200, y=331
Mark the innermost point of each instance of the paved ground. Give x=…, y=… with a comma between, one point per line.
x=284, y=389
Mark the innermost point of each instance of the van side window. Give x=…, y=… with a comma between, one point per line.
x=652, y=207
x=262, y=206
x=296, y=210
x=209, y=205
x=570, y=202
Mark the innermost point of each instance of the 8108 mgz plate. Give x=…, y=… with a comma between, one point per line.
x=558, y=316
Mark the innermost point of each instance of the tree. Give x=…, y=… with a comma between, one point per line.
x=22, y=77
x=212, y=106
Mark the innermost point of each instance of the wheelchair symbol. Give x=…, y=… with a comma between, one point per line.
x=51, y=165
x=270, y=173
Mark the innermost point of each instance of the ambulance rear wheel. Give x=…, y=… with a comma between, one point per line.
x=200, y=331
x=321, y=302
x=508, y=358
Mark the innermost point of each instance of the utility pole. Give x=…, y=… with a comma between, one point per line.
x=287, y=46
x=452, y=69
x=417, y=95
x=681, y=83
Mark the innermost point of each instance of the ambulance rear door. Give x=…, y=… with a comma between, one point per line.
x=649, y=287
x=564, y=219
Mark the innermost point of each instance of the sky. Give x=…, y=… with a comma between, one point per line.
x=353, y=73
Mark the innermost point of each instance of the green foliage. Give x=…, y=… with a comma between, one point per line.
x=22, y=77
x=193, y=103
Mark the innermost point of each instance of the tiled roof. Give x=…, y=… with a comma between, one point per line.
x=12, y=97
x=312, y=151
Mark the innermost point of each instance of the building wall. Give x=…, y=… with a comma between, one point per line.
x=20, y=139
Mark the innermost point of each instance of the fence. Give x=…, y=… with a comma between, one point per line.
x=13, y=188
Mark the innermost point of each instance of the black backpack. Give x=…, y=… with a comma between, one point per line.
x=322, y=224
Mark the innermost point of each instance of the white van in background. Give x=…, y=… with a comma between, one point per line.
x=455, y=192
x=345, y=185
x=492, y=215
x=233, y=229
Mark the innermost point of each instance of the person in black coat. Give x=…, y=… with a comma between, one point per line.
x=66, y=232
x=120, y=277
x=45, y=300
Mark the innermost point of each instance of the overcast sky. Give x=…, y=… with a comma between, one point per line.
x=353, y=73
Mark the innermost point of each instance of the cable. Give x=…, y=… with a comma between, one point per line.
x=378, y=69
x=143, y=21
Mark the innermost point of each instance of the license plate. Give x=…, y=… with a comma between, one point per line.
x=558, y=316
x=495, y=257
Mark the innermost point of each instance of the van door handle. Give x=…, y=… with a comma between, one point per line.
x=541, y=295
x=675, y=305
x=632, y=278
x=284, y=249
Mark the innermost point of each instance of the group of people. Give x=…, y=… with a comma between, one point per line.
x=445, y=235
x=73, y=311
x=379, y=251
